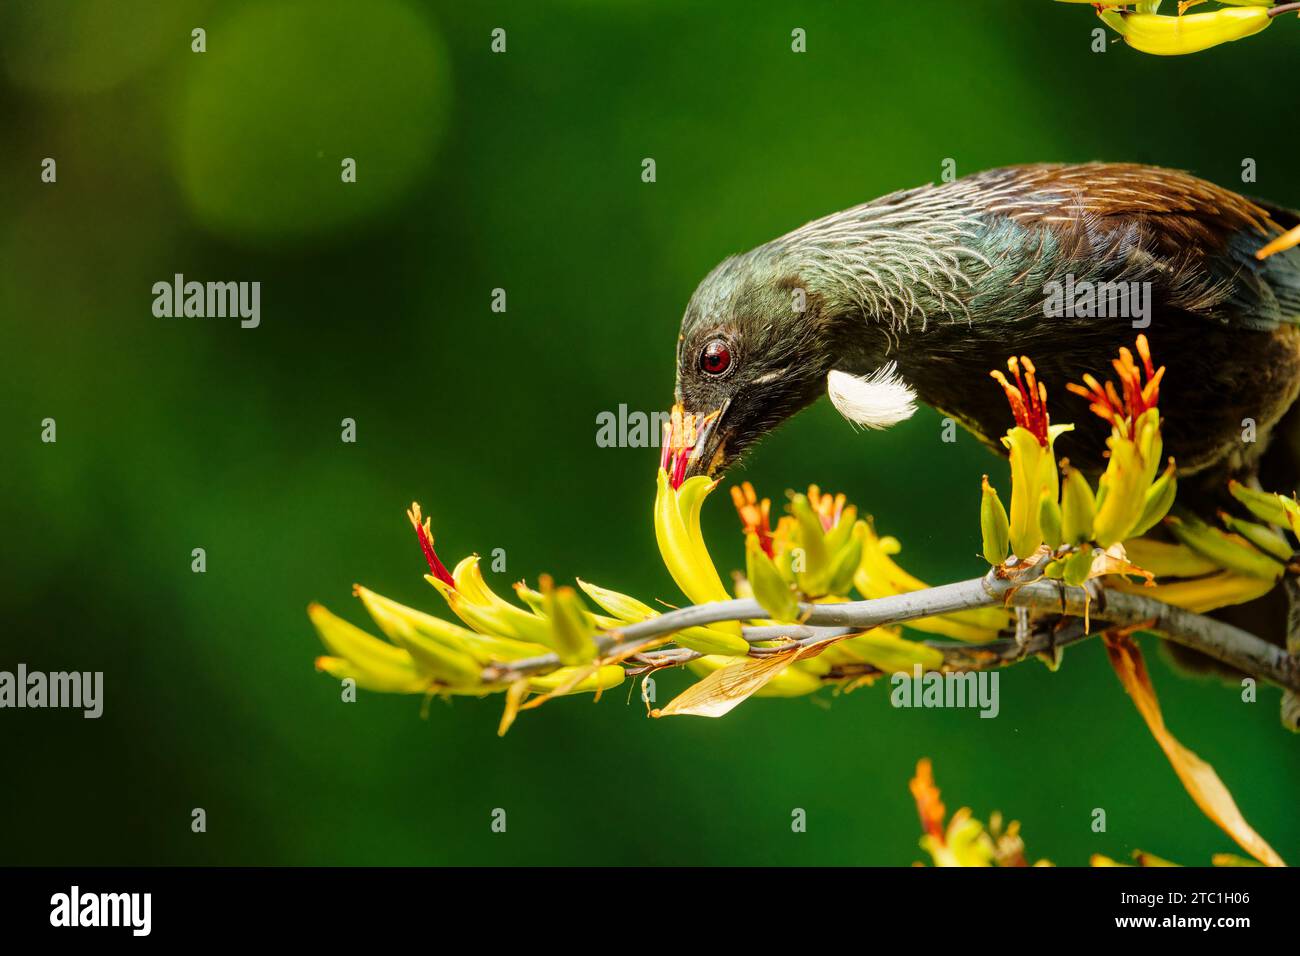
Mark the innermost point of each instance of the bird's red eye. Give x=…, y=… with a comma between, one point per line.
x=716, y=357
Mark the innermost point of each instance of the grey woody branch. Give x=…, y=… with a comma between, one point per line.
x=1058, y=617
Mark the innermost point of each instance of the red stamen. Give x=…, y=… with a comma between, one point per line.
x=1027, y=397
x=679, y=469
x=436, y=567
x=1013, y=398
x=1123, y=406
x=680, y=438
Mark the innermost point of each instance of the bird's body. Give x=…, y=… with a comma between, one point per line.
x=948, y=281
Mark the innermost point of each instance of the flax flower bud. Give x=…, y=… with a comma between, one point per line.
x=995, y=529
x=1078, y=505
x=1176, y=35
x=770, y=589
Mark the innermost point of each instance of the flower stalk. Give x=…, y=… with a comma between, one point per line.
x=822, y=600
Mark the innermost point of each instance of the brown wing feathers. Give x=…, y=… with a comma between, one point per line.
x=1176, y=210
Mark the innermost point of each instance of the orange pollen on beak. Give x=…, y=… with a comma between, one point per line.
x=928, y=805
x=681, y=439
x=755, y=515
x=421, y=526
x=1027, y=397
x=1134, y=397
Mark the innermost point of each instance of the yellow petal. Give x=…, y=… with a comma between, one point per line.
x=1027, y=489
x=1049, y=520
x=1261, y=536
x=1231, y=552
x=770, y=589
x=469, y=581
x=625, y=608
x=482, y=609
x=844, y=562
x=967, y=841
x=1164, y=559
x=687, y=561
x=1078, y=507
x=384, y=682
x=1197, y=776
x=504, y=620
x=1076, y=569
x=373, y=663
x=797, y=680
x=813, y=541
x=719, y=692
x=572, y=628
x=1205, y=593
x=995, y=527
x=394, y=618
x=1265, y=506
x=561, y=681
x=515, y=695
x=1159, y=499
x=690, y=504
x=1191, y=33
x=705, y=640
x=439, y=652
x=890, y=653
x=1121, y=495
x=1150, y=859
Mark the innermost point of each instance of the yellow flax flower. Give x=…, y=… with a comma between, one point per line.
x=431, y=656
x=425, y=654
x=1152, y=33
x=678, y=503
x=1054, y=512
x=628, y=610
x=963, y=841
x=1034, y=479
x=816, y=548
x=815, y=553
x=1130, y=497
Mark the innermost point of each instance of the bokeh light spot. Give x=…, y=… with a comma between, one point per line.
x=286, y=92
x=88, y=46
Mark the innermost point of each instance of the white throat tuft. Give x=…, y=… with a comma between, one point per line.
x=877, y=401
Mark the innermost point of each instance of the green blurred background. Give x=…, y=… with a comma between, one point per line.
x=521, y=171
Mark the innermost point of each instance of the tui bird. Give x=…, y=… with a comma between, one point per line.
x=919, y=294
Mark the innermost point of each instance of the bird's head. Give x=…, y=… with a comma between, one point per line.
x=757, y=345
